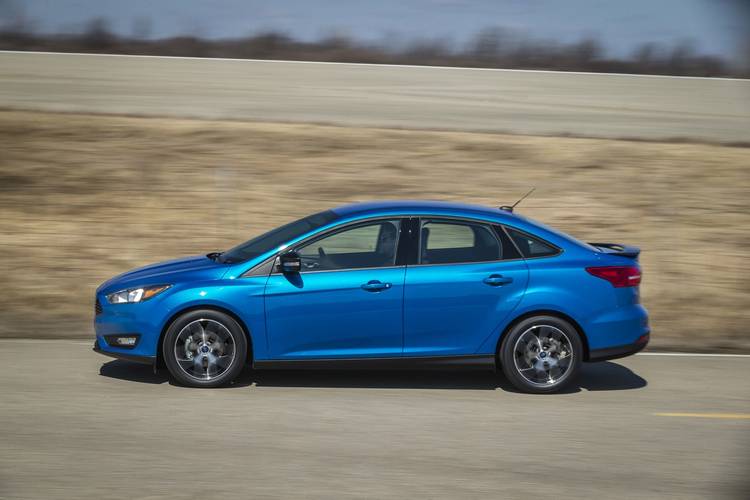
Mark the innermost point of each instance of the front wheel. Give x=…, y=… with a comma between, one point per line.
x=205, y=348
x=541, y=354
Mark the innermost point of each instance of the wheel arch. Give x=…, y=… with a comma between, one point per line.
x=544, y=312
x=195, y=307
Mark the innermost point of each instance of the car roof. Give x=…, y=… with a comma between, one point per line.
x=421, y=207
x=454, y=209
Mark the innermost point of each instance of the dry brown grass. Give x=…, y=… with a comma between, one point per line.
x=85, y=197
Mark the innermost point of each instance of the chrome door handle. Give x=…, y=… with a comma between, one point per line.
x=497, y=280
x=375, y=286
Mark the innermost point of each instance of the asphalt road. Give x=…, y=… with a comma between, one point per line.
x=388, y=96
x=78, y=425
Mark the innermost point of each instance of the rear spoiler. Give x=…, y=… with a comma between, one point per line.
x=617, y=249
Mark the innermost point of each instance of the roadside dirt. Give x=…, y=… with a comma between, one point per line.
x=85, y=197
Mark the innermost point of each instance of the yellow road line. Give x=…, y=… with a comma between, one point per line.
x=733, y=416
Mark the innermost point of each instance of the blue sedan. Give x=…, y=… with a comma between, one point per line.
x=409, y=284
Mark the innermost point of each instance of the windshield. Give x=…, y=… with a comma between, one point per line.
x=276, y=237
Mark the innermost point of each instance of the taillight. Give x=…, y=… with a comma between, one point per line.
x=619, y=276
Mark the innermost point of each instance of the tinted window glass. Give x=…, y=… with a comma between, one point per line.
x=531, y=246
x=369, y=245
x=509, y=249
x=277, y=237
x=454, y=242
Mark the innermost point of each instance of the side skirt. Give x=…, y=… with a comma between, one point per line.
x=476, y=362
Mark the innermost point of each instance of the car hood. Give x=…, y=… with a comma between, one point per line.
x=168, y=272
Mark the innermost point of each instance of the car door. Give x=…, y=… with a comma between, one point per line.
x=468, y=278
x=347, y=299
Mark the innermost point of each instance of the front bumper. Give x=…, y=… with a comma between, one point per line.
x=136, y=358
x=142, y=320
x=620, y=351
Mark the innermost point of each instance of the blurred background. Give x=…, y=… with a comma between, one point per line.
x=631, y=119
x=676, y=37
x=111, y=163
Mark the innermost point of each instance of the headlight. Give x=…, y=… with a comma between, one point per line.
x=135, y=294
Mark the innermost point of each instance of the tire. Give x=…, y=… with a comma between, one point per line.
x=205, y=348
x=541, y=354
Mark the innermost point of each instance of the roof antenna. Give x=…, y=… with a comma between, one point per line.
x=509, y=208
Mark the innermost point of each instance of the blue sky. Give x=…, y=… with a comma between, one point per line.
x=716, y=26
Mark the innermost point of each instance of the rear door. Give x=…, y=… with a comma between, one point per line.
x=467, y=279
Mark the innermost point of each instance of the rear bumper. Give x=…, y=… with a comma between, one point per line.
x=136, y=358
x=620, y=351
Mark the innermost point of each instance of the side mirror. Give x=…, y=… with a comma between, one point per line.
x=290, y=262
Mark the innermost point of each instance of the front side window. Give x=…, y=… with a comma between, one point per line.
x=363, y=246
x=443, y=242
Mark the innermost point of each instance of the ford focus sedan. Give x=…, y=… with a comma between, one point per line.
x=410, y=284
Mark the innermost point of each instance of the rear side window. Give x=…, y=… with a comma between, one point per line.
x=443, y=242
x=530, y=246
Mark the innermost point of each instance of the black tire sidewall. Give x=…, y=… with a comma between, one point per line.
x=507, y=362
x=238, y=335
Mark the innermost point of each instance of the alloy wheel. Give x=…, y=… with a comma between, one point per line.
x=204, y=349
x=543, y=355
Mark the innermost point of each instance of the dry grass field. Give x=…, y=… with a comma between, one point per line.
x=84, y=197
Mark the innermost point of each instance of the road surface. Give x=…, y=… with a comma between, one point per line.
x=377, y=95
x=79, y=425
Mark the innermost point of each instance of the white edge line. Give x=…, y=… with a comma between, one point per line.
x=694, y=354
x=374, y=65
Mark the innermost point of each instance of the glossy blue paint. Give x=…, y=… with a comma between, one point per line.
x=328, y=314
x=450, y=310
x=427, y=310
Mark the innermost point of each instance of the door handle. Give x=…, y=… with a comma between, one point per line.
x=375, y=286
x=497, y=280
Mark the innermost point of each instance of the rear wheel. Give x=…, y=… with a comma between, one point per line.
x=541, y=354
x=205, y=348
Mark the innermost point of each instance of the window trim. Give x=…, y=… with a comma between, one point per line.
x=448, y=219
x=340, y=228
x=258, y=269
x=559, y=251
x=408, y=246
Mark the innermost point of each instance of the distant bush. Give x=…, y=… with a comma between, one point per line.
x=490, y=48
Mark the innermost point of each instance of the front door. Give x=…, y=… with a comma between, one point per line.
x=465, y=284
x=347, y=300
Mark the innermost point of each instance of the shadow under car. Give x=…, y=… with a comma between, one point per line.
x=602, y=376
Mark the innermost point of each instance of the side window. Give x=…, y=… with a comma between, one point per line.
x=369, y=245
x=443, y=242
x=531, y=246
